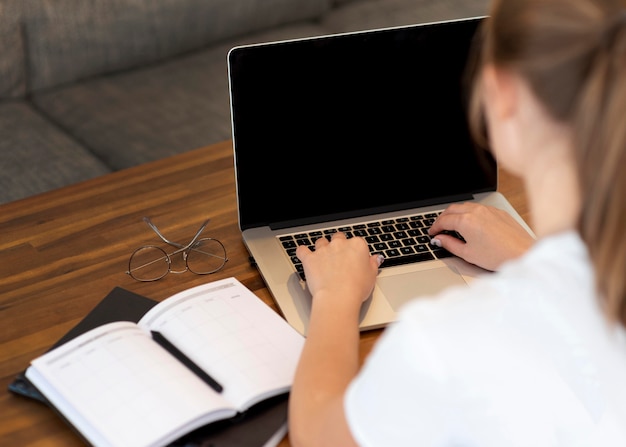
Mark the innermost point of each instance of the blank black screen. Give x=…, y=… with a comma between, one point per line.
x=336, y=125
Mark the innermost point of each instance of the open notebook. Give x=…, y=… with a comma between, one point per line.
x=221, y=378
x=364, y=133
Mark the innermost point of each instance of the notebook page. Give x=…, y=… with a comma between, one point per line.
x=118, y=387
x=233, y=336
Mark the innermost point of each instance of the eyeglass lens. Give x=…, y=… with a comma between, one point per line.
x=206, y=256
x=149, y=263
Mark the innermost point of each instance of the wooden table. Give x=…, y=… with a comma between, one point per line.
x=61, y=252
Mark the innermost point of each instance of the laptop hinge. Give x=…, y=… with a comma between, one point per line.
x=369, y=212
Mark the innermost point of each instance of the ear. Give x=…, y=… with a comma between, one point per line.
x=503, y=112
x=500, y=88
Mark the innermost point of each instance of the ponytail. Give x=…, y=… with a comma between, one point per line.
x=599, y=125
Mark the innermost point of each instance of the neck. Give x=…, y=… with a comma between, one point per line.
x=552, y=190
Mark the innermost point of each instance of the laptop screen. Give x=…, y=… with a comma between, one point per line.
x=348, y=125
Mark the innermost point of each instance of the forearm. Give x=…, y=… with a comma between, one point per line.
x=328, y=363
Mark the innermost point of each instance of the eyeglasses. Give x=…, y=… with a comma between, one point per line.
x=202, y=256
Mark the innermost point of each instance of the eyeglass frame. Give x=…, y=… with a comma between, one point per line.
x=184, y=249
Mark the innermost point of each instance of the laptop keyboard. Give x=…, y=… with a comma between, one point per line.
x=403, y=240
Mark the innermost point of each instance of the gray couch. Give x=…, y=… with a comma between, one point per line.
x=89, y=87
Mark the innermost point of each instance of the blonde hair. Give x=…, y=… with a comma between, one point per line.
x=573, y=55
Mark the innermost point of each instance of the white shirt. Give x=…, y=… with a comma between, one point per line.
x=522, y=357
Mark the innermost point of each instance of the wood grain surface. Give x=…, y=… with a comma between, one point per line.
x=61, y=252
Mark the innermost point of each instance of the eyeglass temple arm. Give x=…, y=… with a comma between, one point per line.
x=176, y=244
x=195, y=238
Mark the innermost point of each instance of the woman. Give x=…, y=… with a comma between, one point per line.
x=534, y=354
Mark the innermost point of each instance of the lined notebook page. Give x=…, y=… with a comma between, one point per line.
x=232, y=335
x=118, y=382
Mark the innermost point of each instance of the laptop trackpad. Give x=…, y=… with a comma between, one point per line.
x=399, y=289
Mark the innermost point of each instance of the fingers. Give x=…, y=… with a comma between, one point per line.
x=377, y=260
x=449, y=226
x=452, y=218
x=452, y=226
x=338, y=235
x=305, y=250
x=451, y=243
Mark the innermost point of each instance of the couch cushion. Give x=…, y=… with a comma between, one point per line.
x=75, y=39
x=12, y=78
x=130, y=118
x=36, y=156
x=371, y=14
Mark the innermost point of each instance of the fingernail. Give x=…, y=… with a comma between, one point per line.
x=380, y=259
x=435, y=242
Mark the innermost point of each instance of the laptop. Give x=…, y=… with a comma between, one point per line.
x=365, y=133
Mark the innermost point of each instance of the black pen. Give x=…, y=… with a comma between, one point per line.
x=169, y=347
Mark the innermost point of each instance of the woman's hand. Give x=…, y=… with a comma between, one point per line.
x=491, y=235
x=342, y=268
